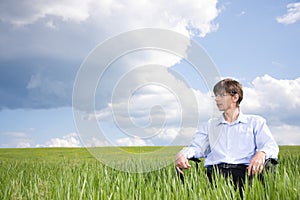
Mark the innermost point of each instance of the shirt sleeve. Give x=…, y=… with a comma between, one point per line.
x=264, y=140
x=199, y=147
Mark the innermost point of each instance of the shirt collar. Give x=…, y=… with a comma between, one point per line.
x=241, y=119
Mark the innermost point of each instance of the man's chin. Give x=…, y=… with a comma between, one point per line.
x=221, y=108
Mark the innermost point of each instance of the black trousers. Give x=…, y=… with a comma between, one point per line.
x=238, y=173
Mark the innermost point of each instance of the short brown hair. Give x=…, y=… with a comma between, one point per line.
x=231, y=87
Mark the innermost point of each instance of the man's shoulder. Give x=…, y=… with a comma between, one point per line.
x=213, y=120
x=252, y=118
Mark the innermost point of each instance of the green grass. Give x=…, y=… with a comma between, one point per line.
x=73, y=173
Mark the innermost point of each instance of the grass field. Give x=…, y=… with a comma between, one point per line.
x=74, y=173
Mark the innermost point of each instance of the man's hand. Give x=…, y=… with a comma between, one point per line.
x=256, y=165
x=181, y=163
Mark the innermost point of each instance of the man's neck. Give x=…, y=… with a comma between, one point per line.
x=231, y=115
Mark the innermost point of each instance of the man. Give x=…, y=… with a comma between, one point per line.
x=234, y=144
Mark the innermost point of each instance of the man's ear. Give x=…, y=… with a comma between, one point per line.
x=235, y=98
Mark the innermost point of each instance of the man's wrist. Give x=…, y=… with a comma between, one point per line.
x=265, y=155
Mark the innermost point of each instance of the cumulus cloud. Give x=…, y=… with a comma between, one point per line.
x=28, y=12
x=15, y=139
x=115, y=14
x=52, y=38
x=132, y=141
x=96, y=142
x=292, y=15
x=154, y=108
x=276, y=100
x=155, y=91
x=70, y=140
x=279, y=100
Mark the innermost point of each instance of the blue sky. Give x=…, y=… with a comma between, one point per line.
x=44, y=44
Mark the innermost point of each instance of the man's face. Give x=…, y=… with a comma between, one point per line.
x=225, y=101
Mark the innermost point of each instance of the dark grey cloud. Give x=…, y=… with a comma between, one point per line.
x=38, y=65
x=36, y=83
x=43, y=43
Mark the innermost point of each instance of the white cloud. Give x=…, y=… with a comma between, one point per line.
x=120, y=15
x=152, y=100
x=241, y=13
x=163, y=137
x=28, y=12
x=278, y=64
x=51, y=24
x=156, y=113
x=272, y=96
x=70, y=140
x=279, y=102
x=117, y=15
x=96, y=142
x=101, y=114
x=23, y=144
x=15, y=139
x=286, y=134
x=76, y=27
x=276, y=100
x=132, y=141
x=15, y=134
x=292, y=15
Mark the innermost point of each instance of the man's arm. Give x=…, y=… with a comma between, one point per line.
x=265, y=141
x=198, y=148
x=266, y=147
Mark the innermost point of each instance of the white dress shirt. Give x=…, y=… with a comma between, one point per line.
x=236, y=143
